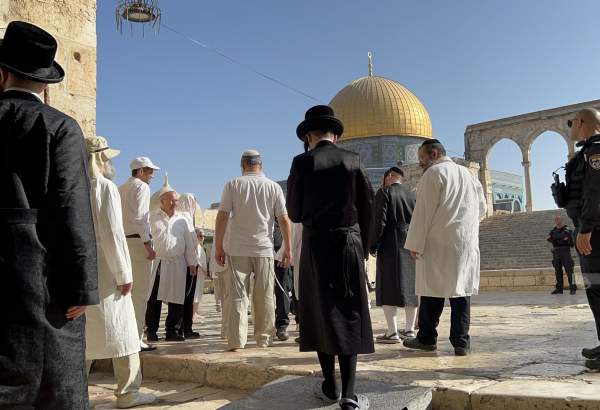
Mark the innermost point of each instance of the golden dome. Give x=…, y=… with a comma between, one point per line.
x=374, y=106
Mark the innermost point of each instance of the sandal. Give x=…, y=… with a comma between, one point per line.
x=360, y=402
x=318, y=393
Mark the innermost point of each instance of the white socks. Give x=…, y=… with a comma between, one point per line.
x=411, y=317
x=390, y=317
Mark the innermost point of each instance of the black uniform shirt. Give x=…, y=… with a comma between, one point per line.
x=561, y=237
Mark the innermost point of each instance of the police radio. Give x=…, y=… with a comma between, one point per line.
x=559, y=190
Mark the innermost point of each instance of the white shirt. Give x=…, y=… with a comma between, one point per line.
x=135, y=202
x=253, y=201
x=25, y=90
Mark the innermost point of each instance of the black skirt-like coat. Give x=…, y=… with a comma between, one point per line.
x=47, y=255
x=329, y=192
x=395, y=277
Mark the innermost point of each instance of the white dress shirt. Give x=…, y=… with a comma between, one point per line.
x=135, y=201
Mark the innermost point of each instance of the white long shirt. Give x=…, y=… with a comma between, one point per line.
x=135, y=202
x=175, y=251
x=111, y=329
x=444, y=230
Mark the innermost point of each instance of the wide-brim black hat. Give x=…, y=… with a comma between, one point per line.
x=322, y=118
x=29, y=52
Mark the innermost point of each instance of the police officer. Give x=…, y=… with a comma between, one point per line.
x=562, y=242
x=583, y=207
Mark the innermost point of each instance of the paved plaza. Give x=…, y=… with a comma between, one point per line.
x=526, y=347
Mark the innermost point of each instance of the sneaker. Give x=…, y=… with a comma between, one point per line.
x=461, y=351
x=407, y=334
x=151, y=336
x=128, y=401
x=556, y=292
x=191, y=335
x=174, y=338
x=388, y=339
x=415, y=344
x=282, y=335
x=593, y=353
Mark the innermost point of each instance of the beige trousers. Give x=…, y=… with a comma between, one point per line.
x=142, y=269
x=239, y=288
x=128, y=373
x=218, y=286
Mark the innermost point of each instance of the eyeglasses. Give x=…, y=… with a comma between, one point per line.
x=570, y=122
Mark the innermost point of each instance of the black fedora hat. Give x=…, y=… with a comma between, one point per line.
x=29, y=52
x=322, y=118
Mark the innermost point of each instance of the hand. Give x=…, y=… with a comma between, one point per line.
x=583, y=243
x=415, y=255
x=75, y=311
x=125, y=288
x=150, y=253
x=286, y=260
x=193, y=270
x=220, y=256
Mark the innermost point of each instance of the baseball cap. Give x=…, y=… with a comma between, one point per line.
x=142, y=162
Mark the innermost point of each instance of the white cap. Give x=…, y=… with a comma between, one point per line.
x=142, y=162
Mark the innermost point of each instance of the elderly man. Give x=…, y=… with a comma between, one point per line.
x=330, y=194
x=583, y=207
x=395, y=283
x=47, y=243
x=135, y=202
x=111, y=330
x=562, y=241
x=174, y=266
x=444, y=238
x=254, y=202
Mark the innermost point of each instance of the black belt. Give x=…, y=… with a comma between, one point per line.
x=134, y=235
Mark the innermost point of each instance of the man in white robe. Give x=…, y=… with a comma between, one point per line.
x=111, y=329
x=444, y=238
x=175, y=256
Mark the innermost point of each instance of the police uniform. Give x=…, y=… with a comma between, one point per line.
x=583, y=207
x=562, y=242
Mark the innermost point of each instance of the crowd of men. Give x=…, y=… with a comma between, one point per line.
x=78, y=249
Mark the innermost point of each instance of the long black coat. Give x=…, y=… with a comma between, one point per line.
x=47, y=256
x=395, y=278
x=329, y=192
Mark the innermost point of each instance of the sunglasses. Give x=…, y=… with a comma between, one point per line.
x=570, y=122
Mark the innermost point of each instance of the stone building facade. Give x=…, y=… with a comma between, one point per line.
x=73, y=23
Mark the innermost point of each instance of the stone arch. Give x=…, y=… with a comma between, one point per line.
x=491, y=157
x=523, y=130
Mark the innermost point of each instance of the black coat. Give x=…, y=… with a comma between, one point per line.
x=395, y=280
x=47, y=255
x=329, y=192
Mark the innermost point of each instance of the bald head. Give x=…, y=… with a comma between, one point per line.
x=585, y=124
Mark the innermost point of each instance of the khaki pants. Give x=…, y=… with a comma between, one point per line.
x=238, y=288
x=128, y=374
x=142, y=268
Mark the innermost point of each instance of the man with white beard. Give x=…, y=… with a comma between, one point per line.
x=444, y=238
x=111, y=329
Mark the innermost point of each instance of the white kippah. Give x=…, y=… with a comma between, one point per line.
x=250, y=153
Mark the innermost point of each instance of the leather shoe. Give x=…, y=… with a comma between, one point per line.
x=461, y=351
x=282, y=335
x=556, y=292
x=416, y=344
x=191, y=335
x=593, y=353
x=593, y=364
x=174, y=338
x=151, y=336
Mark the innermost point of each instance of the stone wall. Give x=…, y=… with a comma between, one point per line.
x=73, y=23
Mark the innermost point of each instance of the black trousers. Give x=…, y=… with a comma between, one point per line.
x=174, y=319
x=188, y=304
x=430, y=311
x=282, y=299
x=590, y=269
x=562, y=259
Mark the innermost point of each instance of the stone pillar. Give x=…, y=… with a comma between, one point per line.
x=527, y=173
x=73, y=23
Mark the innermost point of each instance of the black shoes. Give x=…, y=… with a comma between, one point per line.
x=557, y=292
x=190, y=334
x=174, y=337
x=461, y=351
x=151, y=336
x=573, y=290
x=282, y=335
x=593, y=353
x=593, y=364
x=415, y=344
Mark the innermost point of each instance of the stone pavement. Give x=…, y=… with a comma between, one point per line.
x=180, y=395
x=526, y=349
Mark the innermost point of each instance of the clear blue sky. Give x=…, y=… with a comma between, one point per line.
x=194, y=112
